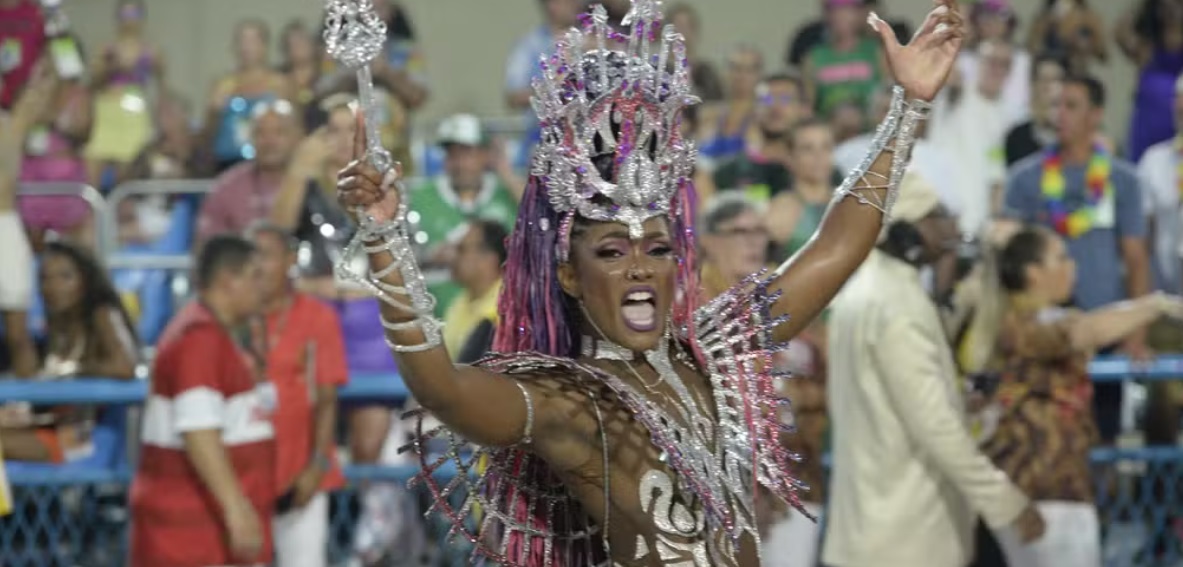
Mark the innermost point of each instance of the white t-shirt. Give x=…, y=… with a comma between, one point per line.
x=972, y=133
x=1016, y=93
x=1159, y=173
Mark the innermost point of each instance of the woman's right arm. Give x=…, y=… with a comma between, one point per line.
x=306, y=165
x=1108, y=325
x=1086, y=332
x=484, y=407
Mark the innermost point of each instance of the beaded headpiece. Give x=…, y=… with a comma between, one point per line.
x=626, y=105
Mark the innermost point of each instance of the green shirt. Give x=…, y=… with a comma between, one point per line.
x=845, y=76
x=440, y=216
x=758, y=178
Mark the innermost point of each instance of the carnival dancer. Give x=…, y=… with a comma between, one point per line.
x=622, y=423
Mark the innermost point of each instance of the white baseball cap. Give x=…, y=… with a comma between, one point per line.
x=463, y=129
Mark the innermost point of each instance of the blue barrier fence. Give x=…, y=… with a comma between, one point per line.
x=77, y=515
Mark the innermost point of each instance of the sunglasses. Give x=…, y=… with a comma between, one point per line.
x=278, y=106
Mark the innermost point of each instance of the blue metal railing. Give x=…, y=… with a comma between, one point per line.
x=77, y=516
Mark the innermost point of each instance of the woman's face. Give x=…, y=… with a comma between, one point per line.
x=298, y=46
x=992, y=25
x=1055, y=276
x=340, y=134
x=626, y=287
x=250, y=45
x=812, y=157
x=61, y=283
x=739, y=246
x=130, y=16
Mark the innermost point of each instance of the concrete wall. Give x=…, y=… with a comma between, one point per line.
x=467, y=41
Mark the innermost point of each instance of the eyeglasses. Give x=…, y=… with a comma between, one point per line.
x=277, y=106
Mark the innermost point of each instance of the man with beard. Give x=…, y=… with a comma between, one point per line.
x=762, y=170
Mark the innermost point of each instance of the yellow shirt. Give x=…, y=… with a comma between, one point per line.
x=465, y=313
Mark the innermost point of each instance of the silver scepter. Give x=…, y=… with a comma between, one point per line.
x=355, y=36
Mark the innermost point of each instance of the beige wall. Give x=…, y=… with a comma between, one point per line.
x=467, y=41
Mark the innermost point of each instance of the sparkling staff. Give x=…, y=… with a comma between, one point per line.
x=354, y=36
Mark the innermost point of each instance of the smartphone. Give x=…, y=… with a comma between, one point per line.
x=67, y=57
x=285, y=502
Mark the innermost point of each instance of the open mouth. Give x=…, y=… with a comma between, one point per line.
x=639, y=309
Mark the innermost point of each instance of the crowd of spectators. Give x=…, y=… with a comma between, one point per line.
x=1014, y=146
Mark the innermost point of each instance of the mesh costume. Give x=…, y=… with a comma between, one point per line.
x=610, y=107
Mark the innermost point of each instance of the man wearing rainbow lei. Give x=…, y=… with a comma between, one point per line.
x=622, y=422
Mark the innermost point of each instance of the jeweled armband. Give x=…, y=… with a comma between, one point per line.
x=896, y=134
x=412, y=297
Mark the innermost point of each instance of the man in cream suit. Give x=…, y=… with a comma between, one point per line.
x=908, y=481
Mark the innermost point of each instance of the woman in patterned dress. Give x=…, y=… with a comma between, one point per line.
x=1046, y=427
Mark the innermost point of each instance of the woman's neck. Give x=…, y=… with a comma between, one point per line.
x=1029, y=300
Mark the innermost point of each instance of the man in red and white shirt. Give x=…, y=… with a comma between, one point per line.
x=205, y=487
x=306, y=363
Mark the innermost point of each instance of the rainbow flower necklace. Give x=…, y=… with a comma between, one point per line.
x=1073, y=223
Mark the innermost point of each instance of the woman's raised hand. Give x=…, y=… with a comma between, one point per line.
x=922, y=66
x=362, y=189
x=1170, y=305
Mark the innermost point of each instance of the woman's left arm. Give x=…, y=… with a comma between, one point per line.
x=116, y=344
x=850, y=228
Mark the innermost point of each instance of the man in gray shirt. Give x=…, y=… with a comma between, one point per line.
x=1111, y=252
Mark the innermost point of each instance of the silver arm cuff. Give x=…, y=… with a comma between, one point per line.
x=897, y=134
x=528, y=428
x=391, y=238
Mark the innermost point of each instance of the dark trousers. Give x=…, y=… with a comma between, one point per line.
x=987, y=553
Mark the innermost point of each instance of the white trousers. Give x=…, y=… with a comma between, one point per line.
x=792, y=542
x=1072, y=538
x=302, y=534
x=16, y=279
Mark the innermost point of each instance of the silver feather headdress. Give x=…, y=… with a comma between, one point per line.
x=594, y=102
